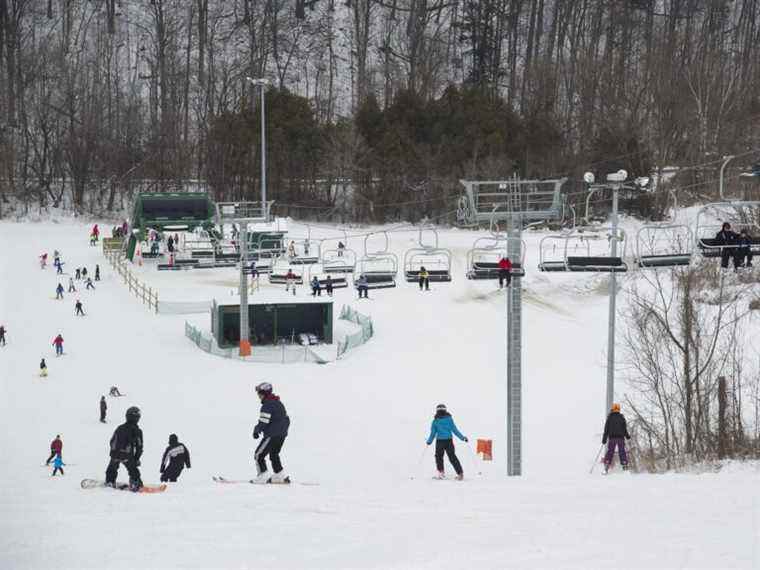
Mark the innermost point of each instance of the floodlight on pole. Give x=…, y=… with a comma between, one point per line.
x=262, y=83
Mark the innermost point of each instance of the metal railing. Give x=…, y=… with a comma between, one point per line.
x=358, y=338
x=144, y=293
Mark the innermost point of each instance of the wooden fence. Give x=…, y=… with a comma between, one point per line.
x=146, y=294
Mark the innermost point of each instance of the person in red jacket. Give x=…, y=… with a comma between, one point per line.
x=56, y=447
x=505, y=272
x=58, y=342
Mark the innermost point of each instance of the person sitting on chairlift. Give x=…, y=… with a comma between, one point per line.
x=290, y=281
x=316, y=290
x=726, y=237
x=424, y=279
x=505, y=272
x=341, y=247
x=744, y=251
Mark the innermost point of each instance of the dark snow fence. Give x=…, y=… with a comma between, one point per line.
x=358, y=338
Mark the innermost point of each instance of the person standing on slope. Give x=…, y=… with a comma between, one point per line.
x=103, y=409
x=58, y=343
x=126, y=448
x=273, y=425
x=58, y=465
x=175, y=459
x=43, y=369
x=2, y=335
x=56, y=448
x=615, y=429
x=78, y=309
x=59, y=292
x=441, y=430
x=97, y=272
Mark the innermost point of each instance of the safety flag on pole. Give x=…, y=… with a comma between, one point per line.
x=485, y=449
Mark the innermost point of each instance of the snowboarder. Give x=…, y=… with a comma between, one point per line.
x=175, y=459
x=505, y=272
x=615, y=429
x=97, y=273
x=89, y=284
x=316, y=290
x=441, y=430
x=126, y=448
x=59, y=292
x=341, y=247
x=78, y=309
x=56, y=448
x=424, y=279
x=78, y=274
x=58, y=342
x=103, y=409
x=58, y=465
x=329, y=285
x=290, y=281
x=43, y=368
x=2, y=335
x=744, y=251
x=114, y=392
x=362, y=285
x=273, y=425
x=726, y=238
x=72, y=289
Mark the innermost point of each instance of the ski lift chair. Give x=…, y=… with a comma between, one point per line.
x=710, y=247
x=435, y=260
x=553, y=252
x=279, y=271
x=339, y=280
x=335, y=260
x=483, y=259
x=380, y=268
x=598, y=263
x=664, y=245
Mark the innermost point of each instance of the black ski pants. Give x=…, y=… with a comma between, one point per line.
x=57, y=469
x=446, y=446
x=172, y=473
x=131, y=465
x=103, y=415
x=504, y=275
x=270, y=446
x=52, y=456
x=424, y=282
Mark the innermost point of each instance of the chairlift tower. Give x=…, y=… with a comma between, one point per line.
x=514, y=202
x=243, y=213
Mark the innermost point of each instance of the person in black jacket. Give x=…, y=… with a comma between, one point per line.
x=178, y=457
x=103, y=408
x=273, y=425
x=126, y=448
x=744, y=249
x=615, y=430
x=726, y=237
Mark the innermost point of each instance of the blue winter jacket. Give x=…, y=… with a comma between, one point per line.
x=442, y=428
x=58, y=462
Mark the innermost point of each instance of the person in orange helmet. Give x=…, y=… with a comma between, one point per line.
x=616, y=432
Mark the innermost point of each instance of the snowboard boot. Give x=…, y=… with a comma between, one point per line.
x=280, y=477
x=625, y=467
x=261, y=478
x=135, y=485
x=439, y=475
x=460, y=477
x=606, y=468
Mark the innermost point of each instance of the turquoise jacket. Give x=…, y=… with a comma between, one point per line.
x=442, y=428
x=58, y=462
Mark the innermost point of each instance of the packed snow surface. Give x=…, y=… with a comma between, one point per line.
x=358, y=430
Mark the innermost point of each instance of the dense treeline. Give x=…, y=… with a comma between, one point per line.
x=375, y=107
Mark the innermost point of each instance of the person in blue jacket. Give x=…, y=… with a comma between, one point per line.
x=58, y=465
x=273, y=424
x=441, y=430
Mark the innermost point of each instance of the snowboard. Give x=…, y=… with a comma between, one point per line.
x=96, y=483
x=287, y=481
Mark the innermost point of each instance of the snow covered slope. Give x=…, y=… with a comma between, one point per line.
x=358, y=429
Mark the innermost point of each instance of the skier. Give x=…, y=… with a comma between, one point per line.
x=126, y=448
x=292, y=249
x=89, y=284
x=273, y=425
x=78, y=309
x=115, y=392
x=96, y=232
x=56, y=449
x=726, y=238
x=329, y=285
x=290, y=281
x=43, y=368
x=103, y=408
x=59, y=292
x=441, y=430
x=97, y=273
x=505, y=272
x=78, y=274
x=178, y=456
x=615, y=429
x=93, y=240
x=58, y=267
x=43, y=260
x=72, y=289
x=316, y=290
x=2, y=335
x=58, y=465
x=58, y=342
x=84, y=273
x=424, y=279
x=341, y=247
x=362, y=286
x=744, y=251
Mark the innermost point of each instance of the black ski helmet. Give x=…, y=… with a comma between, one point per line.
x=440, y=408
x=133, y=414
x=264, y=388
x=173, y=439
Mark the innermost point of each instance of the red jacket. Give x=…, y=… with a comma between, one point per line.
x=56, y=445
x=58, y=340
x=505, y=264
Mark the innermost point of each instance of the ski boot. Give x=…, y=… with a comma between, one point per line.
x=439, y=475
x=460, y=477
x=606, y=468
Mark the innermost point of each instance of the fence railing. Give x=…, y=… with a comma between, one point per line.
x=358, y=338
x=144, y=293
x=112, y=244
x=283, y=353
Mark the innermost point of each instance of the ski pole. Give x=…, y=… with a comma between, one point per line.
x=596, y=459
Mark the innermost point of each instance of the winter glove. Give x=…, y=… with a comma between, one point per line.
x=604, y=441
x=428, y=442
x=255, y=435
x=466, y=440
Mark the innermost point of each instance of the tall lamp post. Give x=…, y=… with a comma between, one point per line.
x=261, y=82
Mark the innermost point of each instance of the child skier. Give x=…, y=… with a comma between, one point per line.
x=84, y=273
x=103, y=408
x=441, y=430
x=78, y=274
x=58, y=465
x=273, y=425
x=59, y=292
x=89, y=284
x=114, y=392
x=615, y=429
x=126, y=448
x=58, y=343
x=56, y=449
x=2, y=335
x=78, y=309
x=97, y=273
x=43, y=368
x=316, y=290
x=178, y=457
x=72, y=289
